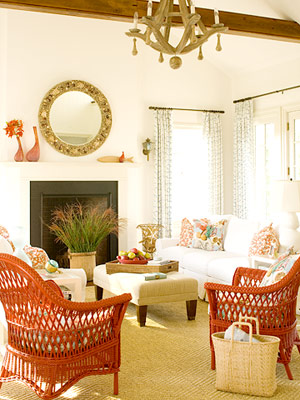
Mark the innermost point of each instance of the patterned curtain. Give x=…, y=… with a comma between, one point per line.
x=213, y=135
x=162, y=172
x=243, y=159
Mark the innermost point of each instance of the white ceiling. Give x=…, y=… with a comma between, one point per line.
x=245, y=54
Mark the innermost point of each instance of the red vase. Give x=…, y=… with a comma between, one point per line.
x=34, y=153
x=19, y=156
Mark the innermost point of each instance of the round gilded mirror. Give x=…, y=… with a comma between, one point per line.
x=75, y=118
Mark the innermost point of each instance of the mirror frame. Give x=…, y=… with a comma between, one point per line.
x=44, y=118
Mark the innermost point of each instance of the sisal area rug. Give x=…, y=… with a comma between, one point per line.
x=169, y=359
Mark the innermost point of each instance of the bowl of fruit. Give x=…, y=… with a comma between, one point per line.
x=133, y=256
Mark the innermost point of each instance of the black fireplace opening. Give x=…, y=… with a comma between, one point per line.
x=45, y=196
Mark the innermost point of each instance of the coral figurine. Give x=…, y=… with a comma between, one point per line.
x=122, y=157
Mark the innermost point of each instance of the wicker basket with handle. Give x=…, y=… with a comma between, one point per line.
x=246, y=367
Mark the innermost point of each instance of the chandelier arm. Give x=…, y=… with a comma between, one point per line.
x=166, y=47
x=187, y=33
x=162, y=11
x=155, y=46
x=136, y=34
x=184, y=11
x=202, y=26
x=168, y=22
x=203, y=39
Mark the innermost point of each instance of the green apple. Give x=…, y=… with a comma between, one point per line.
x=140, y=253
x=147, y=255
x=122, y=253
x=131, y=255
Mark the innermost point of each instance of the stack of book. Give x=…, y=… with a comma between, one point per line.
x=158, y=262
x=154, y=275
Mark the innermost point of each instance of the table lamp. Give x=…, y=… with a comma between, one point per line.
x=286, y=200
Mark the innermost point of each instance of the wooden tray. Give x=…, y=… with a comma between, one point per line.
x=113, y=267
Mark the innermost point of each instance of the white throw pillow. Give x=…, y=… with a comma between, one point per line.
x=5, y=246
x=239, y=235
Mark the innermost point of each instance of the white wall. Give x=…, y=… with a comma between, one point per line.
x=45, y=49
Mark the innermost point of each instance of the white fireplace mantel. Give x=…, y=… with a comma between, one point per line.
x=15, y=181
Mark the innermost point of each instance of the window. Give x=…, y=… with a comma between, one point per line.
x=294, y=144
x=264, y=137
x=189, y=173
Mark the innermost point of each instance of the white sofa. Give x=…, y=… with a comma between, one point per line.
x=213, y=266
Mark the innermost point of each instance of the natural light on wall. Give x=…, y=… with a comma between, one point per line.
x=189, y=174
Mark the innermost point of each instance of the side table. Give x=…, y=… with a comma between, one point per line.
x=262, y=262
x=75, y=280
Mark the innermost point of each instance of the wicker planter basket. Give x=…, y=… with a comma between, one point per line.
x=87, y=261
x=246, y=367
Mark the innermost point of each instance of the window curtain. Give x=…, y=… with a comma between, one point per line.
x=162, y=170
x=243, y=159
x=213, y=134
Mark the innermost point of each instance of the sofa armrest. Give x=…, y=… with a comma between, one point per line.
x=166, y=242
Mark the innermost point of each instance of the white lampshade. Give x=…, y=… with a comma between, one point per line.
x=286, y=196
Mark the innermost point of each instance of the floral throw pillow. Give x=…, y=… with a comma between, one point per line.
x=279, y=269
x=264, y=242
x=37, y=256
x=208, y=236
x=5, y=234
x=186, y=233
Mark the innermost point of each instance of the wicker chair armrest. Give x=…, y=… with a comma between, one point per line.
x=249, y=277
x=55, y=287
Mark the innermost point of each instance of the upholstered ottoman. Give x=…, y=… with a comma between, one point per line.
x=177, y=287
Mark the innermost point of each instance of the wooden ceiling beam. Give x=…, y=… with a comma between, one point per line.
x=123, y=10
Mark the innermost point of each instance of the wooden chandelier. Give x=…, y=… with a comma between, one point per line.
x=159, y=27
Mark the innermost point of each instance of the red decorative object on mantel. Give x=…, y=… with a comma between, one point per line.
x=19, y=156
x=15, y=128
x=34, y=153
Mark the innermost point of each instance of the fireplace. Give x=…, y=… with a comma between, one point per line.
x=45, y=196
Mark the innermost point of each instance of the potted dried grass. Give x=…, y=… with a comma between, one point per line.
x=82, y=228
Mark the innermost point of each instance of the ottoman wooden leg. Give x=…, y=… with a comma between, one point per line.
x=191, y=307
x=141, y=313
x=98, y=292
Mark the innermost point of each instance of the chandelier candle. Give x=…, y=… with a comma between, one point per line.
x=149, y=8
x=217, y=19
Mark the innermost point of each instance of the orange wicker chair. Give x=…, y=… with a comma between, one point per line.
x=274, y=306
x=53, y=342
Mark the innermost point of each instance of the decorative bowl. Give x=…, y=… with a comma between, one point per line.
x=132, y=261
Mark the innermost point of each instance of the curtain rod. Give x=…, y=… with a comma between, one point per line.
x=185, y=109
x=266, y=94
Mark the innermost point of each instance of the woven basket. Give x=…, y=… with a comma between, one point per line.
x=246, y=367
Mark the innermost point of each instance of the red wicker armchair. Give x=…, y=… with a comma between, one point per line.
x=274, y=306
x=53, y=342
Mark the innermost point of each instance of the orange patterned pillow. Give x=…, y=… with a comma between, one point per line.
x=186, y=234
x=264, y=242
x=37, y=256
x=4, y=232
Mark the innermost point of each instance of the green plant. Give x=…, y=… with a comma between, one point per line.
x=83, y=227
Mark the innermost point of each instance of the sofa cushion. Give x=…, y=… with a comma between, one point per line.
x=208, y=236
x=279, y=269
x=198, y=260
x=174, y=253
x=264, y=242
x=37, y=256
x=224, y=268
x=239, y=235
x=186, y=233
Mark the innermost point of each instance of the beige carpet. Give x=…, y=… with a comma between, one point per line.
x=169, y=359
